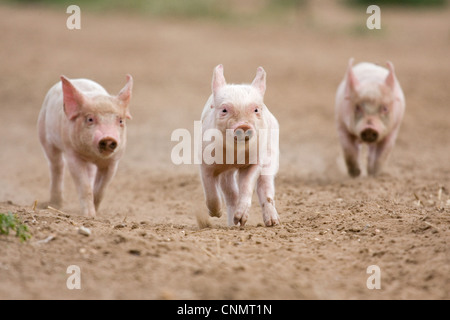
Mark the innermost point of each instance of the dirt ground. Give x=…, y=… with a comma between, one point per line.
x=145, y=243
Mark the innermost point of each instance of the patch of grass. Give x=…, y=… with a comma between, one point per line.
x=9, y=221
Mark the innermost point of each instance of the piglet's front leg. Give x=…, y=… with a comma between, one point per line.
x=351, y=152
x=230, y=191
x=102, y=179
x=212, y=195
x=265, y=188
x=83, y=174
x=247, y=180
x=379, y=153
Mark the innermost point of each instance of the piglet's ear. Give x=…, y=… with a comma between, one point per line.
x=390, y=79
x=73, y=99
x=124, y=95
x=352, y=81
x=218, y=80
x=260, y=81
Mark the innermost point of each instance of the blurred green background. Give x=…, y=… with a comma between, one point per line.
x=218, y=9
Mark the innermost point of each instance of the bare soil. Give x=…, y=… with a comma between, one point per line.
x=145, y=243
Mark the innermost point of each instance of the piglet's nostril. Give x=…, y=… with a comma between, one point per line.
x=113, y=145
x=248, y=134
x=243, y=132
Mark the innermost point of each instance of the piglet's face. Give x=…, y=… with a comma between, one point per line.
x=239, y=108
x=372, y=119
x=372, y=107
x=100, y=132
x=97, y=124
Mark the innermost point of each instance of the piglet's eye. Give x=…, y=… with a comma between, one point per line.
x=384, y=109
x=224, y=110
x=358, y=108
x=89, y=119
x=256, y=110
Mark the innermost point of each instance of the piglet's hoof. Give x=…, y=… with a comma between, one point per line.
x=240, y=219
x=216, y=214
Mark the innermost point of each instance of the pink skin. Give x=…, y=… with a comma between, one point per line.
x=369, y=109
x=81, y=123
x=241, y=109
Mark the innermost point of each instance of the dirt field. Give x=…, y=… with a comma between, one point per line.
x=145, y=243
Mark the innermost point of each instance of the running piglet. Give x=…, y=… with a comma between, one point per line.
x=81, y=125
x=247, y=155
x=369, y=110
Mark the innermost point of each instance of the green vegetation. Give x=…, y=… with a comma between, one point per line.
x=9, y=222
x=399, y=3
x=217, y=9
x=227, y=10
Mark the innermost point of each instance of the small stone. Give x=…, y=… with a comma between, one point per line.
x=134, y=252
x=84, y=231
x=167, y=295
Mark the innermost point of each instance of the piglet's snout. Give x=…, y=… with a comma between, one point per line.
x=369, y=135
x=243, y=132
x=107, y=145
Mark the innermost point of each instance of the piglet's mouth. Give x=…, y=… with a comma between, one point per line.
x=236, y=139
x=105, y=153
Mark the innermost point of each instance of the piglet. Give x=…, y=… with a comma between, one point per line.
x=369, y=109
x=240, y=116
x=82, y=124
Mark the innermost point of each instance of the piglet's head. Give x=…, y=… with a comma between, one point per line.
x=97, y=123
x=371, y=104
x=239, y=108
